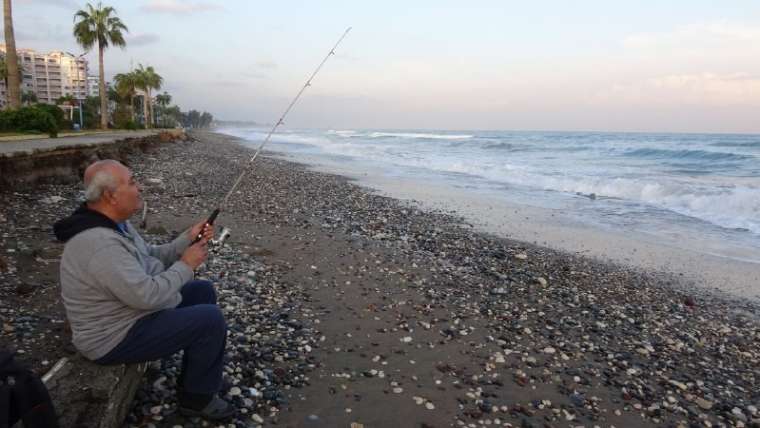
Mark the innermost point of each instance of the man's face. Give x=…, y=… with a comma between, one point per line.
x=127, y=199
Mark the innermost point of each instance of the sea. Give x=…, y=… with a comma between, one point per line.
x=658, y=185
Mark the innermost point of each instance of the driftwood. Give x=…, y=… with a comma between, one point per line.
x=89, y=395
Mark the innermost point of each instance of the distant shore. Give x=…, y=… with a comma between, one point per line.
x=346, y=307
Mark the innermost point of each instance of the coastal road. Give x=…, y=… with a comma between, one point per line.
x=9, y=148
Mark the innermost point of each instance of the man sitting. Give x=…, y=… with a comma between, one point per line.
x=130, y=302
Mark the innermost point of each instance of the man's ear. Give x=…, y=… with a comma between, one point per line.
x=109, y=196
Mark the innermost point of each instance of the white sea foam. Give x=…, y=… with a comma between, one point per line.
x=416, y=135
x=679, y=174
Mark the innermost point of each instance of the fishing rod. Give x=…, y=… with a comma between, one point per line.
x=280, y=121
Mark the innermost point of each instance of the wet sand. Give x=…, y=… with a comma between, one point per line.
x=700, y=263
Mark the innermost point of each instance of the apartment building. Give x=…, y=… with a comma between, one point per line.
x=93, y=86
x=49, y=76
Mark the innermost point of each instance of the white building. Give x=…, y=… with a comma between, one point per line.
x=93, y=86
x=49, y=76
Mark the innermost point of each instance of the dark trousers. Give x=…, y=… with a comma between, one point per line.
x=196, y=326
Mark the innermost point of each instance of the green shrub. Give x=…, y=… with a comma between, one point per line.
x=54, y=111
x=7, y=120
x=131, y=125
x=34, y=119
x=122, y=116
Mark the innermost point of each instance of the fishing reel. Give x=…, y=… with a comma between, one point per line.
x=223, y=235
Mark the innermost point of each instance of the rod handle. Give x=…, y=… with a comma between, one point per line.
x=209, y=222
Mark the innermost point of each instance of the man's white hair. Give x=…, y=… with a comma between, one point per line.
x=103, y=179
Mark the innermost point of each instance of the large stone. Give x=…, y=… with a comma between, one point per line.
x=89, y=395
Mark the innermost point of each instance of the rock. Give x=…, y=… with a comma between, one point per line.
x=738, y=414
x=53, y=199
x=704, y=404
x=24, y=288
x=578, y=400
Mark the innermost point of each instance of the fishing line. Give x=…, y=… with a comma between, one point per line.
x=279, y=122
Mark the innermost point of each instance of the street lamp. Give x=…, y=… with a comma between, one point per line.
x=84, y=81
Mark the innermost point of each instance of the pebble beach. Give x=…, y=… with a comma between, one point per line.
x=347, y=308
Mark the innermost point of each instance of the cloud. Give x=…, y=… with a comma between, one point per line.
x=178, y=7
x=706, y=89
x=142, y=39
x=705, y=65
x=718, y=35
x=254, y=75
x=266, y=64
x=721, y=30
x=67, y=4
x=227, y=83
x=346, y=57
x=37, y=30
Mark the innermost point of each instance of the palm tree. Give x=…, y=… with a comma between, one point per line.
x=126, y=85
x=102, y=26
x=14, y=80
x=174, y=114
x=4, y=69
x=163, y=100
x=65, y=99
x=148, y=79
x=113, y=96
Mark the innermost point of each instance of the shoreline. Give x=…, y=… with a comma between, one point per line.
x=347, y=307
x=733, y=275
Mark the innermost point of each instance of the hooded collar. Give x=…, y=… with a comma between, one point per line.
x=82, y=219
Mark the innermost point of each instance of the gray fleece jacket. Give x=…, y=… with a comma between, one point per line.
x=110, y=279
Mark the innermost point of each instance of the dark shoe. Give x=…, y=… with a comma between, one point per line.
x=216, y=409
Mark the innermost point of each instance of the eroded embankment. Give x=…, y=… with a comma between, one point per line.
x=66, y=164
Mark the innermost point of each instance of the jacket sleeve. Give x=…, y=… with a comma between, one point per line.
x=171, y=252
x=118, y=271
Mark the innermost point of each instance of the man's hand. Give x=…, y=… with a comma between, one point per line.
x=195, y=254
x=208, y=231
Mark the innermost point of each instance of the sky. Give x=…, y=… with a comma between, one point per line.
x=585, y=65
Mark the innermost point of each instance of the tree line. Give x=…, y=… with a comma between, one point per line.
x=99, y=26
